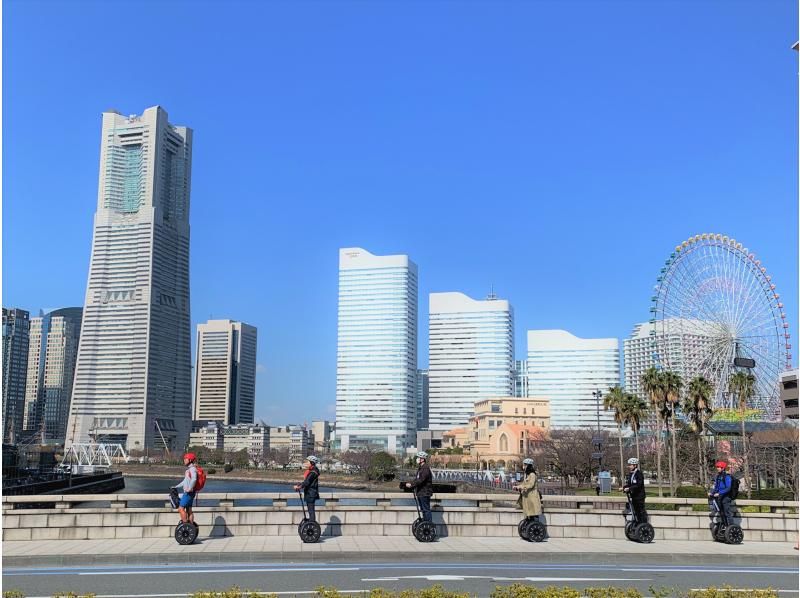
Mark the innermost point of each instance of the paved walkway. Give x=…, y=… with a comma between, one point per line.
x=290, y=548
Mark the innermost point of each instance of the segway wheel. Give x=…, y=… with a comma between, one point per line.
x=425, y=532
x=415, y=525
x=719, y=532
x=185, y=533
x=536, y=531
x=300, y=527
x=630, y=531
x=734, y=535
x=310, y=531
x=645, y=533
x=522, y=529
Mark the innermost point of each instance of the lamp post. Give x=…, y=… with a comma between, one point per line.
x=598, y=441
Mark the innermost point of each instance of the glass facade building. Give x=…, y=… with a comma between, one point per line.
x=16, y=336
x=471, y=356
x=376, y=363
x=566, y=370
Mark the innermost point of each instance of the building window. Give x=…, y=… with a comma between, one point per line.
x=503, y=443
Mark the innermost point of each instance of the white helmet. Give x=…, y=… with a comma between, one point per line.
x=528, y=462
x=633, y=461
x=313, y=459
x=422, y=455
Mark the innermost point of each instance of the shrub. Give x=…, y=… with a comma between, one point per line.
x=519, y=590
x=234, y=592
x=381, y=467
x=728, y=592
x=770, y=494
x=691, y=492
x=228, y=468
x=211, y=471
x=13, y=594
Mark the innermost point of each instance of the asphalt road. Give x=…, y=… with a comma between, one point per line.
x=478, y=578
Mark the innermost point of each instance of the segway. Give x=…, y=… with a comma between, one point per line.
x=423, y=531
x=532, y=530
x=720, y=530
x=185, y=533
x=309, y=531
x=635, y=530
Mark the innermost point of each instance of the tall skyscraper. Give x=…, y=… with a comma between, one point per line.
x=376, y=363
x=684, y=352
x=422, y=399
x=471, y=353
x=133, y=381
x=225, y=387
x=16, y=330
x=521, y=378
x=51, y=369
x=567, y=370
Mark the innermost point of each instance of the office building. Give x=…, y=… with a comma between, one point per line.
x=471, y=355
x=422, y=399
x=16, y=335
x=520, y=378
x=215, y=435
x=225, y=372
x=133, y=381
x=52, y=352
x=788, y=395
x=376, y=363
x=566, y=370
x=297, y=440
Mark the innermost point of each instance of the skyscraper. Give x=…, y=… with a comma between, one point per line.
x=51, y=369
x=376, y=363
x=16, y=329
x=422, y=399
x=471, y=353
x=133, y=375
x=567, y=370
x=225, y=388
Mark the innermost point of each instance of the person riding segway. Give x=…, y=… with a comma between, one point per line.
x=530, y=528
x=721, y=497
x=423, y=528
x=308, y=528
x=637, y=528
x=187, y=530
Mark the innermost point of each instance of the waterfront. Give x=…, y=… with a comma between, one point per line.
x=156, y=485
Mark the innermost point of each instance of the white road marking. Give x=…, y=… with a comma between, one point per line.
x=498, y=578
x=695, y=570
x=254, y=570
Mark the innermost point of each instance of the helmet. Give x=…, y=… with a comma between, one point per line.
x=313, y=459
x=721, y=464
x=422, y=455
x=633, y=461
x=190, y=456
x=528, y=462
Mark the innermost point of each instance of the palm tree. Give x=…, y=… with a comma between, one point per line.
x=653, y=384
x=673, y=383
x=743, y=385
x=697, y=407
x=615, y=399
x=634, y=410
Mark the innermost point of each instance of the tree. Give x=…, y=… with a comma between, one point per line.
x=634, y=409
x=653, y=384
x=357, y=461
x=615, y=399
x=569, y=454
x=697, y=408
x=673, y=383
x=382, y=467
x=742, y=385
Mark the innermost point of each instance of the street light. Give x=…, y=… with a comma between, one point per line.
x=598, y=441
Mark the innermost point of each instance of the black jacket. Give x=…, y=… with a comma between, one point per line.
x=635, y=483
x=310, y=485
x=423, y=483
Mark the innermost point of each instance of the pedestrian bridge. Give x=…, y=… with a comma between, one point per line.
x=93, y=517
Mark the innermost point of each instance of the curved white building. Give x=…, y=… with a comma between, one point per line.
x=567, y=369
x=471, y=354
x=376, y=362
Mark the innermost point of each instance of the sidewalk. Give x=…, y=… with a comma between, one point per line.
x=248, y=549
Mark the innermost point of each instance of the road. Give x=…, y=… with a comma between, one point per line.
x=477, y=578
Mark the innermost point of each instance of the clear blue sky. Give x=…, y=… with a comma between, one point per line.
x=557, y=150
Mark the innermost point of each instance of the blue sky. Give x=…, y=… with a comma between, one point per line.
x=555, y=150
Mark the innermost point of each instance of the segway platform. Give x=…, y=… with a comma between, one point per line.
x=635, y=530
x=309, y=531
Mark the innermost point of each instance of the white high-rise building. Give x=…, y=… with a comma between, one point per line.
x=471, y=354
x=376, y=363
x=225, y=372
x=133, y=381
x=681, y=352
x=52, y=353
x=567, y=370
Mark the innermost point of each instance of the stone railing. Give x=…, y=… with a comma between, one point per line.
x=381, y=514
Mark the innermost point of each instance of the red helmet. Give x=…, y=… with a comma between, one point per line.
x=721, y=464
x=190, y=456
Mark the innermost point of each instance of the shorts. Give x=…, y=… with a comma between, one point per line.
x=187, y=498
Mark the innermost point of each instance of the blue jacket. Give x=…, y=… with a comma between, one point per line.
x=722, y=485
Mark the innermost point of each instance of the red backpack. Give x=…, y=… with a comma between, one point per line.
x=201, y=479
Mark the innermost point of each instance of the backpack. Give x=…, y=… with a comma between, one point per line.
x=201, y=479
x=734, y=488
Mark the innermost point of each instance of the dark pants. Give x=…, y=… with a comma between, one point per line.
x=425, y=507
x=638, y=510
x=726, y=504
x=312, y=513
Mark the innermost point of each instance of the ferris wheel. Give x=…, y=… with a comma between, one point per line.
x=716, y=310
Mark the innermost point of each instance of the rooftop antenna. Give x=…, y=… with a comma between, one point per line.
x=491, y=296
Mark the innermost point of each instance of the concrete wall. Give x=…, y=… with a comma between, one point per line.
x=77, y=517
